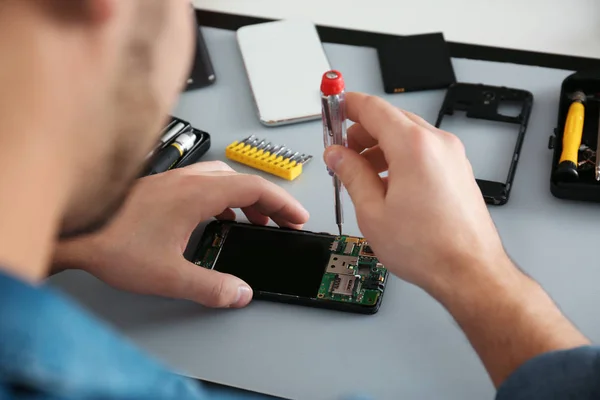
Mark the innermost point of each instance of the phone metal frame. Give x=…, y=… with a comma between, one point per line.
x=481, y=102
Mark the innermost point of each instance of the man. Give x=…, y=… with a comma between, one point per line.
x=85, y=86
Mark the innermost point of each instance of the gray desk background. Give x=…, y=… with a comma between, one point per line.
x=411, y=349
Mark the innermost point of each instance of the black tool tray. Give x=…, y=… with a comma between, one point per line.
x=585, y=188
x=195, y=153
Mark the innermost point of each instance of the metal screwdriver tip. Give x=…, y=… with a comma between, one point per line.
x=306, y=159
x=297, y=157
x=268, y=147
x=274, y=150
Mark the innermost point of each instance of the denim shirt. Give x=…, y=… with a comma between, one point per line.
x=51, y=349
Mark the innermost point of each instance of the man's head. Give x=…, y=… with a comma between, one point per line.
x=128, y=60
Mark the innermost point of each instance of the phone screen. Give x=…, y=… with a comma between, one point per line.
x=276, y=261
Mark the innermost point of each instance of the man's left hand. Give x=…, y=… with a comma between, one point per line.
x=141, y=250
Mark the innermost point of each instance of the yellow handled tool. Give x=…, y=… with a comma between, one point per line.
x=567, y=165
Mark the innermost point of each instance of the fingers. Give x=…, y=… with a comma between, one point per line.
x=385, y=181
x=380, y=119
x=375, y=157
x=379, y=122
x=210, y=288
x=279, y=213
x=259, y=198
x=254, y=216
x=227, y=215
x=359, y=139
x=420, y=121
x=259, y=203
x=207, y=166
x=358, y=176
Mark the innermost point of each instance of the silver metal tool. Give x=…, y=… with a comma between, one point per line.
x=170, y=134
x=297, y=157
x=280, y=151
x=261, y=144
x=248, y=139
x=268, y=147
x=305, y=159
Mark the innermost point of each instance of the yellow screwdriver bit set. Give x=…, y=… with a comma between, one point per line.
x=274, y=159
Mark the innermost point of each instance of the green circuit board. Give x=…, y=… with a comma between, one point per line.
x=353, y=273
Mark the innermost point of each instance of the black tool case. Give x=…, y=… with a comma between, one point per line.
x=194, y=155
x=585, y=188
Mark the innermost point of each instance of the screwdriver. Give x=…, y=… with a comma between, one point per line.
x=566, y=171
x=333, y=107
x=173, y=153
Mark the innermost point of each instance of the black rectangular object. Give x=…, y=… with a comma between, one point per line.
x=414, y=63
x=481, y=102
x=586, y=188
x=202, y=73
x=276, y=255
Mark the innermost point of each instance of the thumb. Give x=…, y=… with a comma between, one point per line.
x=356, y=173
x=211, y=288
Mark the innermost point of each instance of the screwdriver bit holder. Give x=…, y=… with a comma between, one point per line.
x=271, y=158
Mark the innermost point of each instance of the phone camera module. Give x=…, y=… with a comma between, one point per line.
x=489, y=96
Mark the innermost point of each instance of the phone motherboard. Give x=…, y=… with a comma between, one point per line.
x=353, y=273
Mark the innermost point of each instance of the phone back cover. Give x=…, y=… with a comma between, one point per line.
x=284, y=61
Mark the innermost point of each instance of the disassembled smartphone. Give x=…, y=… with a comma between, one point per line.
x=297, y=267
x=482, y=102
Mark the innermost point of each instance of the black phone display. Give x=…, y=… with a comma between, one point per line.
x=485, y=103
x=298, y=267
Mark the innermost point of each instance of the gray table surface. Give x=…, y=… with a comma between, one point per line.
x=411, y=349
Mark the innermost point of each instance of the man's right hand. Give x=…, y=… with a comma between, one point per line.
x=428, y=223
x=427, y=219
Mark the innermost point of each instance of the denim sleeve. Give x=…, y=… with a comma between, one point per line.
x=52, y=349
x=565, y=374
